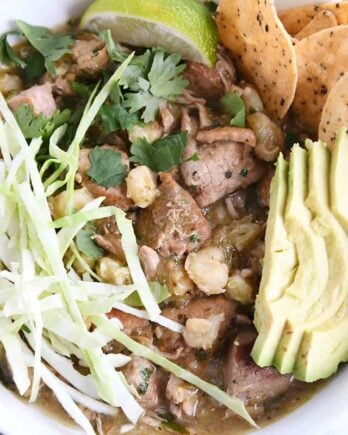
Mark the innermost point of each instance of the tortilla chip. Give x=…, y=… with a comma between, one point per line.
x=296, y=19
x=262, y=50
x=322, y=59
x=335, y=111
x=324, y=20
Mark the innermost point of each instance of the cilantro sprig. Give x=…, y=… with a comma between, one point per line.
x=115, y=117
x=52, y=46
x=234, y=106
x=7, y=54
x=160, y=155
x=86, y=244
x=39, y=126
x=163, y=81
x=106, y=167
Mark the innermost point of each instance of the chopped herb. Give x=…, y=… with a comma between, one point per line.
x=194, y=238
x=244, y=172
x=162, y=154
x=115, y=52
x=51, y=45
x=116, y=117
x=25, y=328
x=169, y=423
x=145, y=376
x=139, y=67
x=38, y=126
x=87, y=245
x=82, y=89
x=193, y=158
x=234, y=106
x=7, y=54
x=160, y=291
x=163, y=82
x=35, y=67
x=106, y=167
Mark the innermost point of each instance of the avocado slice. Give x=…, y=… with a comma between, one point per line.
x=325, y=343
x=312, y=272
x=279, y=268
x=339, y=178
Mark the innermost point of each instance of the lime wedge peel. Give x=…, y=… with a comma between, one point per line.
x=179, y=26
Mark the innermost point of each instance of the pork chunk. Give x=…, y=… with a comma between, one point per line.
x=141, y=373
x=223, y=167
x=216, y=310
x=132, y=325
x=39, y=97
x=173, y=224
x=116, y=196
x=253, y=384
x=90, y=56
x=211, y=83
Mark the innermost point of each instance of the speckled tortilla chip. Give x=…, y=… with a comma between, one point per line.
x=262, y=49
x=335, y=111
x=322, y=59
x=296, y=19
x=323, y=20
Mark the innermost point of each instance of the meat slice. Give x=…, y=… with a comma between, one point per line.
x=222, y=168
x=211, y=83
x=253, y=384
x=132, y=325
x=142, y=374
x=39, y=97
x=90, y=55
x=108, y=238
x=116, y=196
x=173, y=224
x=227, y=133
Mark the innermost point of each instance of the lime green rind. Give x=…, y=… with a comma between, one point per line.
x=186, y=20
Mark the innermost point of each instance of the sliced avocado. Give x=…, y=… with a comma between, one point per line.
x=339, y=178
x=323, y=349
x=312, y=271
x=278, y=271
x=325, y=342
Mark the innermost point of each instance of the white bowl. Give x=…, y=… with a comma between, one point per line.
x=325, y=414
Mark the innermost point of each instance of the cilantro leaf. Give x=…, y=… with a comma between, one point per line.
x=35, y=67
x=38, y=126
x=106, y=167
x=82, y=89
x=116, y=117
x=162, y=82
x=87, y=245
x=115, y=52
x=162, y=154
x=160, y=291
x=234, y=106
x=164, y=76
x=51, y=45
x=139, y=67
x=193, y=157
x=7, y=55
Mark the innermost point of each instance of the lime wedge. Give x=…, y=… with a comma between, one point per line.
x=180, y=26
